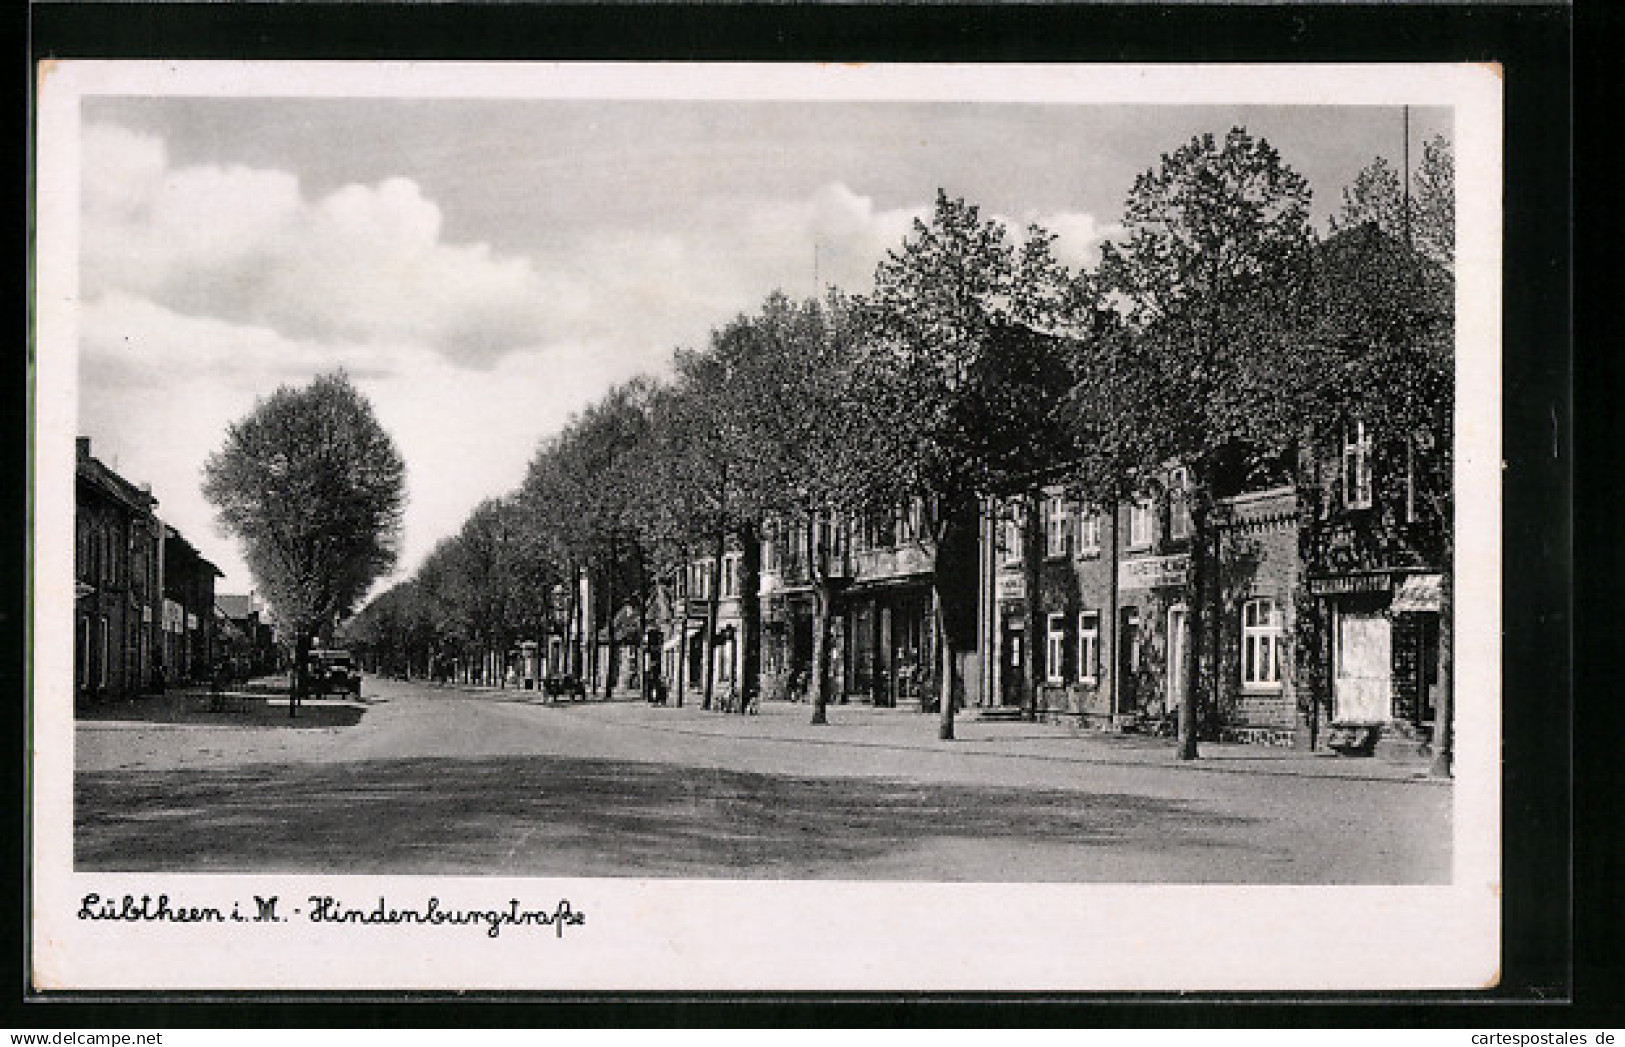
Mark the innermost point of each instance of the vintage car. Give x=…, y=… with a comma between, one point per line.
x=564, y=687
x=333, y=672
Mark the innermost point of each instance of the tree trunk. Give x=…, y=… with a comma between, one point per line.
x=1032, y=561
x=682, y=640
x=643, y=632
x=301, y=671
x=713, y=598
x=572, y=626
x=1444, y=743
x=818, y=678
x=611, y=608
x=750, y=616
x=1201, y=520
x=945, y=673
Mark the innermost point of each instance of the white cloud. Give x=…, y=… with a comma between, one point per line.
x=159, y=388
x=364, y=264
x=1078, y=237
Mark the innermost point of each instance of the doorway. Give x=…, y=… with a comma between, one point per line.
x=1128, y=658
x=1012, y=686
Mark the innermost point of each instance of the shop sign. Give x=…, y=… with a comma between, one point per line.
x=1154, y=572
x=1347, y=584
x=1012, y=587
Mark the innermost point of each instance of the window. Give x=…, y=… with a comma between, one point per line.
x=1012, y=540
x=102, y=642
x=1179, y=512
x=1089, y=646
x=1056, y=519
x=1055, y=649
x=1356, y=466
x=1261, y=644
x=1139, y=524
x=699, y=579
x=770, y=550
x=1088, y=533
x=730, y=576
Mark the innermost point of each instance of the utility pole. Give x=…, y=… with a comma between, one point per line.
x=1405, y=216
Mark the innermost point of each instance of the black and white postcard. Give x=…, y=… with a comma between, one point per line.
x=708, y=527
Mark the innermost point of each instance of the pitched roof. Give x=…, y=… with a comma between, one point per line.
x=234, y=605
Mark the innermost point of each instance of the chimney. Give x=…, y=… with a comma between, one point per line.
x=83, y=443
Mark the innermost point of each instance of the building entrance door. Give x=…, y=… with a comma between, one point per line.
x=1178, y=648
x=1427, y=669
x=1128, y=658
x=1012, y=688
x=1362, y=685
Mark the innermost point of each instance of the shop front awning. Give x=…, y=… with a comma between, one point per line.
x=1419, y=593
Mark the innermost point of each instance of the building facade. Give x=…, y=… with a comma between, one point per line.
x=1376, y=549
x=188, y=616
x=117, y=582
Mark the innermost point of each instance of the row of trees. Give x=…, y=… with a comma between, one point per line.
x=1214, y=333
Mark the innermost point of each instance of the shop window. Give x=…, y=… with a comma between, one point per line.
x=1056, y=519
x=1089, y=646
x=1261, y=634
x=1088, y=533
x=1055, y=650
x=1139, y=524
x=1356, y=466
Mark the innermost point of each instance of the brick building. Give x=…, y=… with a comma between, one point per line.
x=188, y=612
x=117, y=582
x=1376, y=552
x=1113, y=638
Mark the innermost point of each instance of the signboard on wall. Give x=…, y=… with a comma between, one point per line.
x=1153, y=572
x=1012, y=587
x=1341, y=584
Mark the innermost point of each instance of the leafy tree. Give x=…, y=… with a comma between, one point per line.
x=1425, y=218
x=1208, y=283
x=582, y=490
x=314, y=488
x=1435, y=197
x=698, y=470
x=961, y=383
x=784, y=379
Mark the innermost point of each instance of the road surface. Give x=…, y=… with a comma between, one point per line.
x=418, y=779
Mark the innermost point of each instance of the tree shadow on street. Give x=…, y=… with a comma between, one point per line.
x=560, y=816
x=231, y=709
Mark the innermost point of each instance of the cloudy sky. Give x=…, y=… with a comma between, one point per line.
x=484, y=268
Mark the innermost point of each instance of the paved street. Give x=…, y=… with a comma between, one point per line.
x=422, y=779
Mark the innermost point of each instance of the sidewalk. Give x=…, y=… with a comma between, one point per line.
x=908, y=730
